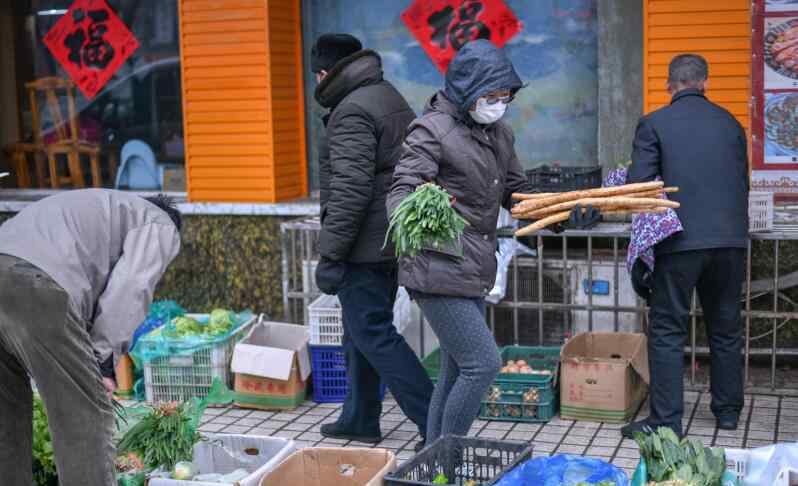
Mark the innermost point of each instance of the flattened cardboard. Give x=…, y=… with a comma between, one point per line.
x=269, y=349
x=604, y=376
x=321, y=466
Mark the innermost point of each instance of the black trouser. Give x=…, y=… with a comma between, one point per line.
x=717, y=275
x=375, y=350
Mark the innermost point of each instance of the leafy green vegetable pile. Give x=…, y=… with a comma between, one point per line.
x=162, y=438
x=667, y=458
x=44, y=473
x=221, y=322
x=424, y=217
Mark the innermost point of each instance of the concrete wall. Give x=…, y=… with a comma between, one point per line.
x=620, y=90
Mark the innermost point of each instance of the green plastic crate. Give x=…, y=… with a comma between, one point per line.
x=537, y=357
x=519, y=402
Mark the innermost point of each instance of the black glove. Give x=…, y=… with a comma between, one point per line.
x=584, y=220
x=330, y=275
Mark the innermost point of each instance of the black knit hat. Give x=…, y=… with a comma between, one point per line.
x=331, y=48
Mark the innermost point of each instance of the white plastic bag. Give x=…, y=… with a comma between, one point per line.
x=508, y=248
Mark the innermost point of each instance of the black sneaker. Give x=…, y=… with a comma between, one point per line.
x=335, y=431
x=728, y=423
x=642, y=426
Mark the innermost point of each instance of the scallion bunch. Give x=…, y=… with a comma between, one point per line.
x=424, y=217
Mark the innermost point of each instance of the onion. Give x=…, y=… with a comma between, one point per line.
x=513, y=369
x=526, y=370
x=504, y=369
x=520, y=363
x=510, y=362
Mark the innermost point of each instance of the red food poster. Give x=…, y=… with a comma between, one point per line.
x=444, y=26
x=91, y=42
x=774, y=145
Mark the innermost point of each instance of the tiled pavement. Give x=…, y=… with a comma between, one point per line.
x=765, y=420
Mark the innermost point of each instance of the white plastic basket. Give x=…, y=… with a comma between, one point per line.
x=326, y=321
x=258, y=455
x=737, y=462
x=184, y=376
x=760, y=211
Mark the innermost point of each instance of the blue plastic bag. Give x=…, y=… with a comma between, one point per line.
x=563, y=470
x=159, y=314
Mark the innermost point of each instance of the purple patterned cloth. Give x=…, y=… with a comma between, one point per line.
x=648, y=229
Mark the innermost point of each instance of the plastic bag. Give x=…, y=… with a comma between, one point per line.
x=159, y=314
x=508, y=248
x=158, y=344
x=563, y=470
x=130, y=479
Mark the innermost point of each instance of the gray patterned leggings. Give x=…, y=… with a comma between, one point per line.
x=470, y=361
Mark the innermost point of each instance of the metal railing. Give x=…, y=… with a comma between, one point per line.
x=605, y=244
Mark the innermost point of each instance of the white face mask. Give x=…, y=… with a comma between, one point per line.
x=486, y=113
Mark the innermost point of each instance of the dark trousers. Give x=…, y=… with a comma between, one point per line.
x=44, y=338
x=374, y=351
x=717, y=275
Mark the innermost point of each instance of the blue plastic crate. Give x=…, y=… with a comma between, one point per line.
x=328, y=366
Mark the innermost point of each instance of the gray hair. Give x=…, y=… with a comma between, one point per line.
x=688, y=70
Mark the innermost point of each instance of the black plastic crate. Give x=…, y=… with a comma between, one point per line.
x=461, y=459
x=564, y=179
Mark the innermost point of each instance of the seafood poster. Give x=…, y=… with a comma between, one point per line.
x=774, y=143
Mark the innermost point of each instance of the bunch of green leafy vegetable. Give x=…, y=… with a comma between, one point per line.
x=44, y=473
x=668, y=458
x=221, y=322
x=424, y=217
x=162, y=438
x=183, y=326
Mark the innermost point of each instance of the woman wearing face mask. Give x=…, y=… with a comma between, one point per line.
x=460, y=144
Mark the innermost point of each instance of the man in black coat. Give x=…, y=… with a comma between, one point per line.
x=699, y=147
x=365, y=128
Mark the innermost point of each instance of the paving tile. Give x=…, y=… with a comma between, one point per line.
x=224, y=420
x=557, y=421
x=401, y=435
x=729, y=441
x=740, y=432
x=576, y=440
x=554, y=429
x=311, y=437
x=630, y=444
x=788, y=436
x=699, y=422
x=261, y=431
x=571, y=449
x=408, y=427
x=261, y=414
x=625, y=462
x=611, y=434
x=607, y=441
x=750, y=444
x=326, y=441
x=492, y=434
x=287, y=434
x=329, y=405
x=318, y=411
x=527, y=427
x=296, y=426
x=520, y=435
x=701, y=431
x=544, y=447
x=761, y=434
x=251, y=422
x=628, y=453
x=392, y=444
x=609, y=426
x=236, y=412
x=541, y=437
x=211, y=428
x=215, y=411
x=791, y=426
x=285, y=416
x=236, y=429
x=600, y=451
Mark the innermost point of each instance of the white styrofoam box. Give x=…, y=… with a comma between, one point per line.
x=760, y=211
x=224, y=454
x=603, y=294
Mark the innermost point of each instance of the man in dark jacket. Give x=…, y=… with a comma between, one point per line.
x=699, y=147
x=365, y=127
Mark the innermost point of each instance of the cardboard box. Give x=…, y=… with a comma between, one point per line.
x=604, y=376
x=321, y=466
x=271, y=367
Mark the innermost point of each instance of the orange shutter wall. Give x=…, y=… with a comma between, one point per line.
x=243, y=104
x=719, y=30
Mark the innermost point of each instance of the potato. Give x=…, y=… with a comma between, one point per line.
x=504, y=369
